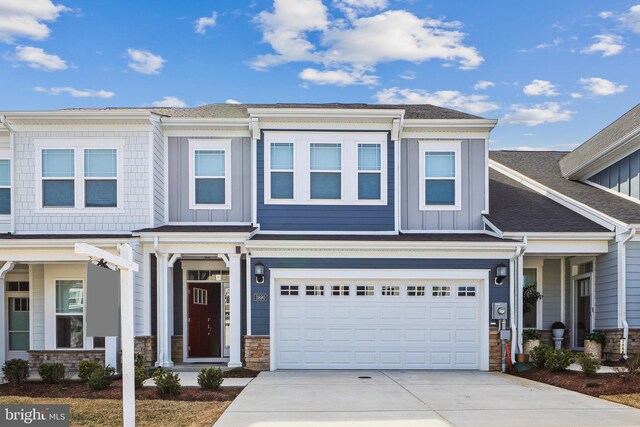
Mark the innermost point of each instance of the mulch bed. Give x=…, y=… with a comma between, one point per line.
x=577, y=381
x=240, y=373
x=76, y=389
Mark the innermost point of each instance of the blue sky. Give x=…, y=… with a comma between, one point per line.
x=553, y=72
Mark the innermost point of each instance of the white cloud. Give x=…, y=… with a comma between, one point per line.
x=76, y=93
x=631, y=19
x=483, y=84
x=605, y=14
x=576, y=95
x=607, y=44
x=598, y=86
x=540, y=88
x=353, y=8
x=38, y=59
x=547, y=112
x=27, y=18
x=408, y=75
x=205, y=22
x=232, y=101
x=145, y=62
x=169, y=102
x=556, y=42
x=337, y=77
x=475, y=104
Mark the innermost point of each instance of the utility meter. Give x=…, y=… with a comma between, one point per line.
x=499, y=310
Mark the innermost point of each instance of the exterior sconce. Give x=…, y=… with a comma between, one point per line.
x=501, y=273
x=258, y=271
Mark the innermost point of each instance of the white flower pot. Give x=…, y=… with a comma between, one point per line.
x=558, y=333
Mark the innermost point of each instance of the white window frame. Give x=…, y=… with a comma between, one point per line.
x=85, y=337
x=439, y=146
x=8, y=187
x=85, y=178
x=78, y=145
x=302, y=165
x=368, y=171
x=205, y=145
x=331, y=171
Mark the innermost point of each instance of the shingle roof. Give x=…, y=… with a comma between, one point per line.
x=199, y=229
x=516, y=208
x=408, y=237
x=543, y=167
x=601, y=142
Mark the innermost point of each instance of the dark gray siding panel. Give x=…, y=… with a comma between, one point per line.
x=473, y=190
x=606, y=298
x=179, y=184
x=622, y=176
x=260, y=310
x=551, y=292
x=326, y=217
x=633, y=284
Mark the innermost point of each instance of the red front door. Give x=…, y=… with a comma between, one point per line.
x=204, y=320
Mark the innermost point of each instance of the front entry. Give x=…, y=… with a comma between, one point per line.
x=582, y=310
x=204, y=319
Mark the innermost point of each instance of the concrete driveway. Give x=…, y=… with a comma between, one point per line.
x=415, y=398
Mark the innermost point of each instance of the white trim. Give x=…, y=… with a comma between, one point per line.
x=275, y=112
x=151, y=162
x=203, y=145
x=574, y=313
x=397, y=176
x=165, y=172
x=207, y=223
x=485, y=211
x=249, y=292
x=614, y=192
x=9, y=216
x=563, y=290
x=379, y=274
x=433, y=146
x=254, y=171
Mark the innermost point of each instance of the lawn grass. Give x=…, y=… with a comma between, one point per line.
x=632, y=400
x=108, y=412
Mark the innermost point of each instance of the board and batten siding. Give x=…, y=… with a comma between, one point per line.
x=260, y=309
x=179, y=210
x=606, y=297
x=622, y=176
x=551, y=292
x=36, y=286
x=326, y=217
x=633, y=284
x=473, y=187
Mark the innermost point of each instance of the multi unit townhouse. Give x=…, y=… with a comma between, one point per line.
x=314, y=236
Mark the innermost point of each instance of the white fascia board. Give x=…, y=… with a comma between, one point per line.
x=574, y=205
x=567, y=247
x=195, y=237
x=200, y=249
x=487, y=124
x=325, y=112
x=78, y=114
x=443, y=253
x=204, y=122
x=569, y=236
x=382, y=274
x=57, y=244
x=341, y=245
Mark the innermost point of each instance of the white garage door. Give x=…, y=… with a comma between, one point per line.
x=379, y=325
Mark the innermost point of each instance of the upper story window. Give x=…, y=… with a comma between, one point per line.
x=5, y=187
x=58, y=178
x=209, y=169
x=325, y=168
x=440, y=186
x=101, y=178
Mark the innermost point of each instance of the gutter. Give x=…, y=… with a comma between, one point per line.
x=622, y=290
x=516, y=264
x=3, y=120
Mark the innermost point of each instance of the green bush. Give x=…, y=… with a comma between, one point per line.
x=629, y=370
x=138, y=359
x=595, y=336
x=538, y=355
x=589, y=363
x=167, y=383
x=52, y=373
x=100, y=378
x=86, y=368
x=530, y=334
x=559, y=360
x=592, y=384
x=15, y=371
x=210, y=378
x=141, y=374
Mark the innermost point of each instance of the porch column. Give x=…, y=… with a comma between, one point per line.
x=164, y=311
x=7, y=267
x=235, y=310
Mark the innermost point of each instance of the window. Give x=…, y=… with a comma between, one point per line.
x=390, y=291
x=17, y=286
x=69, y=314
x=289, y=290
x=208, y=275
x=326, y=166
x=281, y=170
x=58, y=173
x=5, y=187
x=529, y=308
x=369, y=171
x=365, y=290
x=440, y=176
x=315, y=290
x=440, y=291
x=100, y=178
x=200, y=296
x=18, y=327
x=340, y=290
x=415, y=291
x=466, y=291
x=209, y=166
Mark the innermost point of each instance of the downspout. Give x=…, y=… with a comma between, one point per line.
x=515, y=266
x=622, y=290
x=3, y=120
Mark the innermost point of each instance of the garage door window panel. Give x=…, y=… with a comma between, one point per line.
x=315, y=290
x=441, y=291
x=340, y=290
x=289, y=290
x=390, y=291
x=416, y=291
x=466, y=291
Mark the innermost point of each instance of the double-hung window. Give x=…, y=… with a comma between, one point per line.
x=5, y=187
x=58, y=178
x=369, y=171
x=325, y=171
x=100, y=178
x=440, y=176
x=69, y=314
x=282, y=175
x=210, y=184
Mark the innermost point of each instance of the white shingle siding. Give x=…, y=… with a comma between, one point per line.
x=139, y=284
x=136, y=205
x=158, y=176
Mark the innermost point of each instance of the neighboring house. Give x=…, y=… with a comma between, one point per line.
x=297, y=236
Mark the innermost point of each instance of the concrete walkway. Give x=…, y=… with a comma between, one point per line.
x=415, y=398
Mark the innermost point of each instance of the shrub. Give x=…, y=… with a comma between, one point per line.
x=630, y=369
x=559, y=360
x=210, y=378
x=141, y=374
x=595, y=336
x=538, y=355
x=592, y=384
x=100, y=378
x=589, y=363
x=167, y=383
x=16, y=371
x=138, y=359
x=86, y=368
x=530, y=334
x=52, y=373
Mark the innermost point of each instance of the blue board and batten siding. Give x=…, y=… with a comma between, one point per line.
x=633, y=284
x=606, y=297
x=287, y=217
x=260, y=309
x=622, y=176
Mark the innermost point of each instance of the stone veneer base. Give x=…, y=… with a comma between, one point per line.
x=69, y=358
x=256, y=354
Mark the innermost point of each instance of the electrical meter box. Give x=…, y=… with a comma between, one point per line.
x=499, y=310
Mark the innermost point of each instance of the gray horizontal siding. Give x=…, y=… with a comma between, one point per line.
x=633, y=284
x=469, y=217
x=326, y=217
x=606, y=297
x=622, y=176
x=551, y=292
x=260, y=310
x=179, y=184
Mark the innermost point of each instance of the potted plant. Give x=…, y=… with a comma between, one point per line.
x=531, y=339
x=557, y=329
x=530, y=297
x=593, y=342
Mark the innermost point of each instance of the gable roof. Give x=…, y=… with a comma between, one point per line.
x=516, y=208
x=598, y=145
x=544, y=167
